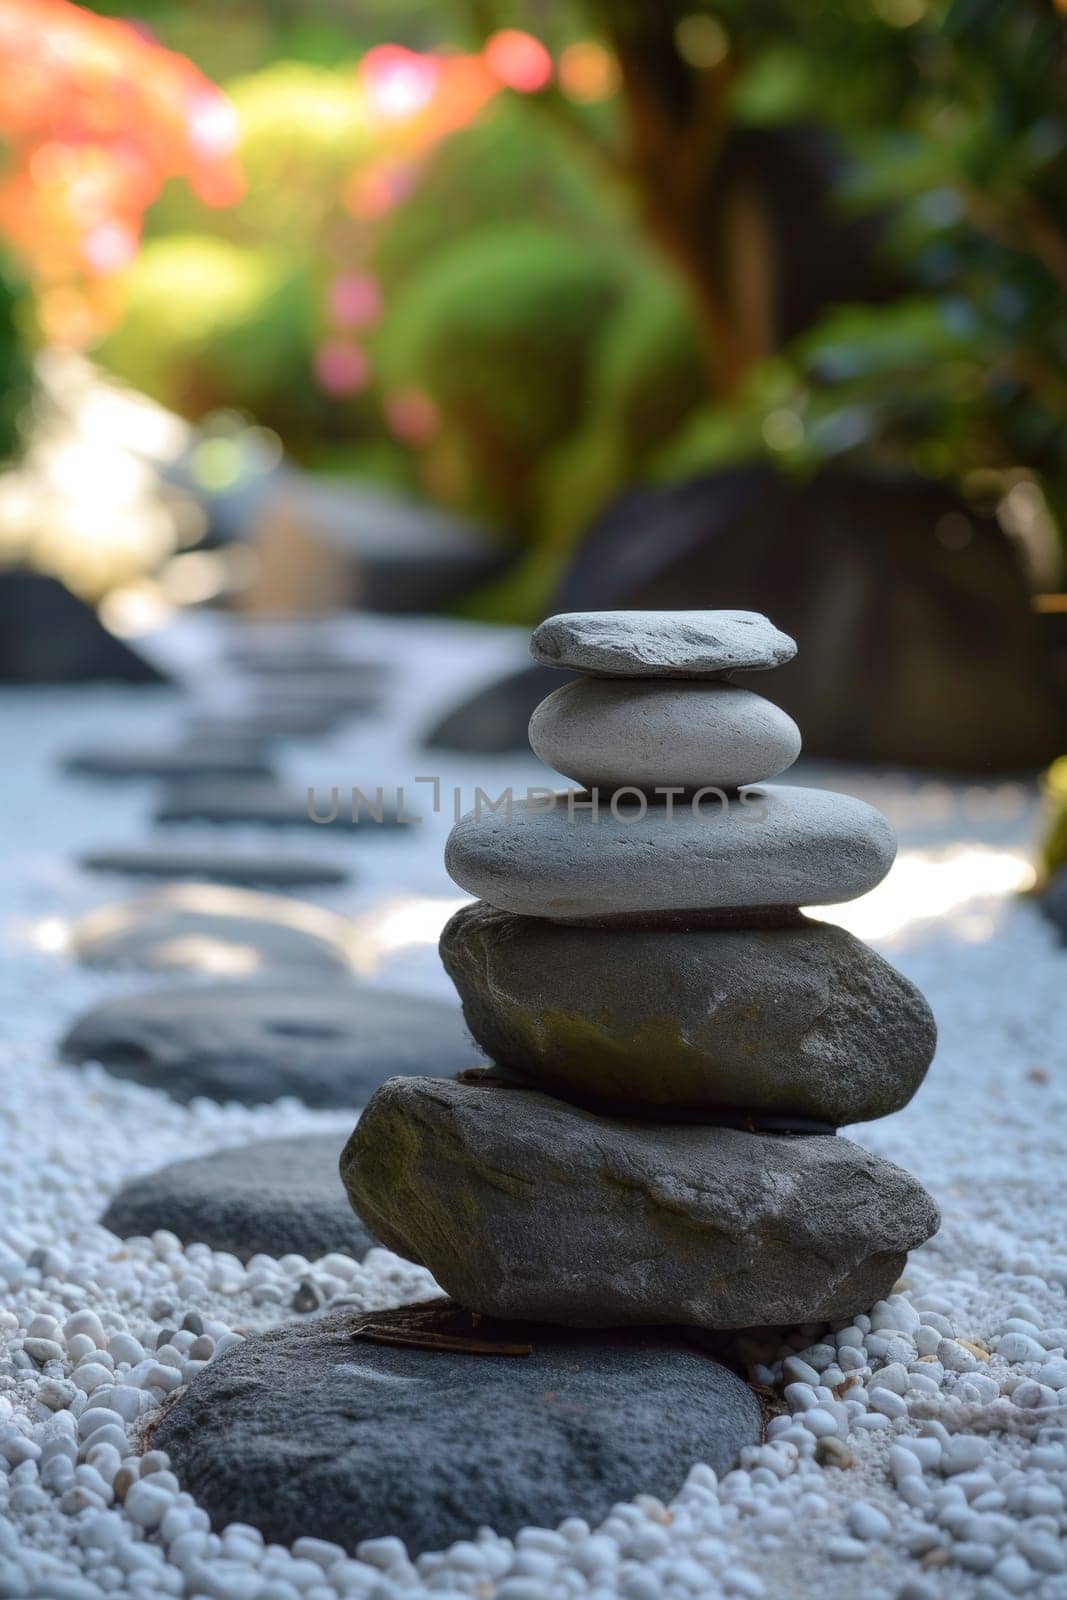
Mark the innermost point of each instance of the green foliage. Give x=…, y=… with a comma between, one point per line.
x=500, y=330
x=1054, y=853
x=14, y=365
x=212, y=324
x=513, y=165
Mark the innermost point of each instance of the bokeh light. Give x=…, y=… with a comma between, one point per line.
x=588, y=72
x=519, y=60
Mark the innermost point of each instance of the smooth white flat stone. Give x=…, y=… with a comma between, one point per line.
x=609, y=732
x=781, y=846
x=661, y=644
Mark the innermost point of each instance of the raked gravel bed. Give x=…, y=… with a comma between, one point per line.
x=920, y=1453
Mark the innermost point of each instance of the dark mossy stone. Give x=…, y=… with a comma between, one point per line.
x=800, y=1020
x=527, y=1207
x=277, y=1196
x=306, y=1430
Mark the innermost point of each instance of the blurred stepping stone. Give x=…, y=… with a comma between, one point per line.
x=194, y=758
x=327, y=1044
x=266, y=722
x=276, y=872
x=309, y=662
x=306, y=1430
x=264, y=803
x=212, y=928
x=278, y=1196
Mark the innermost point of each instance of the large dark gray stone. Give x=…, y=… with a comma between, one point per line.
x=304, y=1430
x=524, y=1206
x=328, y=1044
x=215, y=929
x=217, y=866
x=803, y=1021
x=278, y=1196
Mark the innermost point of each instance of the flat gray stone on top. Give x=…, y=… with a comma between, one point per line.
x=607, y=733
x=274, y=805
x=217, y=866
x=278, y=1196
x=523, y=1206
x=776, y=846
x=213, y=928
x=307, y=1431
x=189, y=758
x=804, y=1023
x=661, y=644
x=328, y=1044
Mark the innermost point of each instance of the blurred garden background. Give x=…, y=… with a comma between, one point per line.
x=747, y=303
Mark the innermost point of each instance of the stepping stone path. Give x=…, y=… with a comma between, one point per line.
x=690, y=984
x=278, y=1197
x=267, y=804
x=192, y=758
x=307, y=1430
x=217, y=866
x=327, y=1045
x=213, y=928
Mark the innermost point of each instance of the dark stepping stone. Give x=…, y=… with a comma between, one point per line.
x=212, y=928
x=195, y=758
x=276, y=872
x=47, y=635
x=270, y=805
x=266, y=722
x=304, y=1430
x=339, y=690
x=278, y=1196
x=271, y=661
x=329, y=1045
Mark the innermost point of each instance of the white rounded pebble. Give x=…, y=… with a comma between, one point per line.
x=887, y=1402
x=148, y=1504
x=819, y=1422
x=973, y=1556
x=954, y=1358
x=797, y=1371
x=867, y=1522
x=963, y=1453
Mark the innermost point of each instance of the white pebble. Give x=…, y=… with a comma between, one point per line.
x=867, y=1522
x=888, y=1403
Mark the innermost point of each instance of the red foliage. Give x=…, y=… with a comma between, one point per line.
x=96, y=117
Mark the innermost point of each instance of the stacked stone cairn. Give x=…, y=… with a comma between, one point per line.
x=674, y=1044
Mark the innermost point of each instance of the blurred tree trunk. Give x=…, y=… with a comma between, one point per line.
x=714, y=227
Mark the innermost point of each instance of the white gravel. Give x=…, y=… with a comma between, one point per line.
x=920, y=1454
